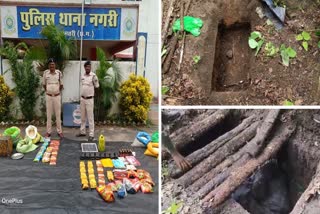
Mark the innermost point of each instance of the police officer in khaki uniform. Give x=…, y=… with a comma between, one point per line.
x=53, y=85
x=89, y=81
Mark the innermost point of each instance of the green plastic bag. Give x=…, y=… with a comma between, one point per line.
x=190, y=24
x=155, y=137
x=14, y=133
x=26, y=145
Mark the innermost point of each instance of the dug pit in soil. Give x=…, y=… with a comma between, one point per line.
x=274, y=188
x=232, y=58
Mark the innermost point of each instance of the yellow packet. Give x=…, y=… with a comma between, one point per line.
x=110, y=176
x=107, y=163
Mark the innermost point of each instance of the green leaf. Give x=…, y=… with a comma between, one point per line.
x=319, y=44
x=291, y=52
x=270, y=49
x=318, y=33
x=285, y=58
x=164, y=90
x=196, y=59
x=306, y=35
x=255, y=35
x=305, y=45
x=299, y=37
x=288, y=103
x=282, y=47
x=173, y=209
x=260, y=43
x=253, y=43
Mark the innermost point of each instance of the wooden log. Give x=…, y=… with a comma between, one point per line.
x=183, y=37
x=167, y=62
x=199, y=155
x=309, y=203
x=262, y=133
x=217, y=175
x=217, y=157
x=183, y=33
x=237, y=177
x=167, y=21
x=186, y=135
x=190, y=117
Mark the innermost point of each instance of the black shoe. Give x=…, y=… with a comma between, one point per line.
x=90, y=138
x=80, y=135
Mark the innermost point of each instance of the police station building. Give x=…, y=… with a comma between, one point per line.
x=125, y=30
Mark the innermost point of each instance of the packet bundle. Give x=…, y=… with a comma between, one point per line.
x=133, y=160
x=101, y=178
x=41, y=151
x=118, y=163
x=121, y=193
x=120, y=174
x=110, y=175
x=146, y=187
x=105, y=193
x=83, y=176
x=129, y=186
x=55, y=148
x=46, y=155
x=92, y=178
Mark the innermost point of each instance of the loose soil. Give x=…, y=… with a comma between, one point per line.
x=228, y=73
x=297, y=160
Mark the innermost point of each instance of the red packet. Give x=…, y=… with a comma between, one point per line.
x=120, y=174
x=132, y=160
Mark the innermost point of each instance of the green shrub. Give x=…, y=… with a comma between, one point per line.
x=135, y=99
x=24, y=76
x=6, y=96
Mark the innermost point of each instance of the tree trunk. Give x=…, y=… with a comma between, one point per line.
x=187, y=135
x=217, y=157
x=262, y=133
x=199, y=155
x=218, y=175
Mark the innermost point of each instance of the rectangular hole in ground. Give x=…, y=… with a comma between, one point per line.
x=232, y=58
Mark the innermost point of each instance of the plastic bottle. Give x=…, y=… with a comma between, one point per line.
x=102, y=144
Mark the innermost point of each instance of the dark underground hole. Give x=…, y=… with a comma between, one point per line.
x=274, y=188
x=229, y=123
x=232, y=58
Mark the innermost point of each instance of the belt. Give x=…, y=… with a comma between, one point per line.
x=53, y=95
x=86, y=98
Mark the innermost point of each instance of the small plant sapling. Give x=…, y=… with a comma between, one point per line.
x=304, y=37
x=256, y=41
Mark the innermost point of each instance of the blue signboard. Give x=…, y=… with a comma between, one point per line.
x=97, y=23
x=72, y=115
